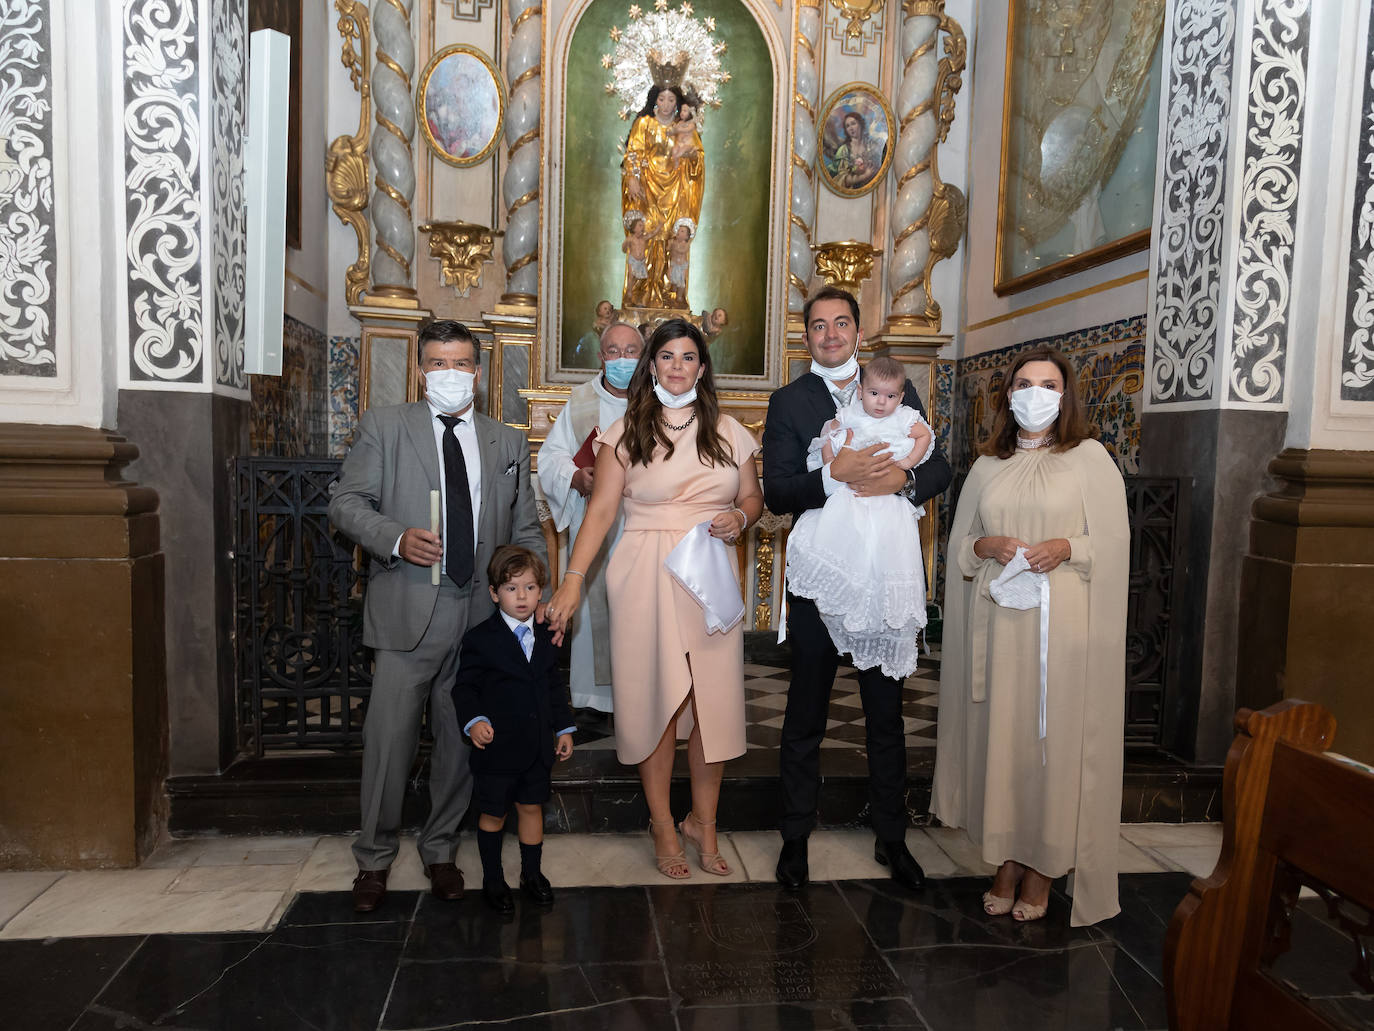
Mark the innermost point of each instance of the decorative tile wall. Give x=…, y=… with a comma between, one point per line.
x=1110, y=362
x=343, y=394
x=291, y=412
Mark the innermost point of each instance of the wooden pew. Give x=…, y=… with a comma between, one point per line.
x=1293, y=817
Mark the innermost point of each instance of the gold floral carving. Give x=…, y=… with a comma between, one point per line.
x=845, y=263
x=462, y=249
x=345, y=166
x=858, y=12
x=768, y=528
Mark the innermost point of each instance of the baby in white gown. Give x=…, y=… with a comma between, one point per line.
x=859, y=558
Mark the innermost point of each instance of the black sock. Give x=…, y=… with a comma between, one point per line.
x=489, y=848
x=529, y=858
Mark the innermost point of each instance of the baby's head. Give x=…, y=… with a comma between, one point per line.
x=605, y=310
x=719, y=318
x=516, y=579
x=637, y=228
x=683, y=234
x=686, y=113
x=882, y=385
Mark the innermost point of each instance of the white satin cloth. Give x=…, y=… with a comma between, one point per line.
x=701, y=564
x=1020, y=587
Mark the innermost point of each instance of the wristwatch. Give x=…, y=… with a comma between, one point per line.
x=908, y=489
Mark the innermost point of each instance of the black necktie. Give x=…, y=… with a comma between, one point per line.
x=457, y=506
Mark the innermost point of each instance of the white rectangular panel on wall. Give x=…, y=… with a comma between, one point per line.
x=265, y=187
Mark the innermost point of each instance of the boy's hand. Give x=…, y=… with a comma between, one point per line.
x=482, y=734
x=564, y=749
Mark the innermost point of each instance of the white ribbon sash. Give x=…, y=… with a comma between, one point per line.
x=1020, y=587
x=701, y=564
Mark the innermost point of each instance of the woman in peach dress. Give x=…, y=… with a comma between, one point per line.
x=676, y=462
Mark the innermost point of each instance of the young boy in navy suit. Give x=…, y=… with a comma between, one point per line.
x=510, y=702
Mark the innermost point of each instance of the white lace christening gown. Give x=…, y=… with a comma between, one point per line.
x=859, y=558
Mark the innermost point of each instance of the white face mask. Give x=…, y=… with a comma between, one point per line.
x=668, y=400
x=450, y=390
x=1035, y=408
x=848, y=370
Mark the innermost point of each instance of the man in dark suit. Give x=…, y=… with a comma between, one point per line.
x=796, y=413
x=511, y=700
x=482, y=470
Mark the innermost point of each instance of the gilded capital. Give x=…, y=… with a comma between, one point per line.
x=462, y=248
x=845, y=263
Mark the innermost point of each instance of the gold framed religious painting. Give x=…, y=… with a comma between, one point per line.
x=858, y=135
x=461, y=104
x=1079, y=137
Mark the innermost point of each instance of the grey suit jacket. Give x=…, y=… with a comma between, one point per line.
x=384, y=491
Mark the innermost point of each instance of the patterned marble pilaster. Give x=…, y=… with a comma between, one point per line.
x=28, y=232
x=1190, y=202
x=1357, y=357
x=229, y=231
x=163, y=201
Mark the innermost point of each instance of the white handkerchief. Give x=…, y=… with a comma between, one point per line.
x=1020, y=587
x=701, y=564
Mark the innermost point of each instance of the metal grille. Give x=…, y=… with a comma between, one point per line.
x=303, y=674
x=1153, y=504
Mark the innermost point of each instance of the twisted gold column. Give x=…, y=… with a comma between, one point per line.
x=392, y=219
x=802, y=209
x=928, y=215
x=520, y=247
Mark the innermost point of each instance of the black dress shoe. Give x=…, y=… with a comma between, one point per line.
x=792, y=870
x=537, y=889
x=901, y=863
x=445, y=881
x=369, y=889
x=498, y=896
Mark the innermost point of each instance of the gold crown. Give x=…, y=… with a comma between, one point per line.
x=668, y=73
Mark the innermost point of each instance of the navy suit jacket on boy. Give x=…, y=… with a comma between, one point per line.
x=525, y=700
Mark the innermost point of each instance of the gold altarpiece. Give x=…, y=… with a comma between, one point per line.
x=456, y=273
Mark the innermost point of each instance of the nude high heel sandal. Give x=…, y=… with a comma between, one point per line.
x=673, y=866
x=710, y=862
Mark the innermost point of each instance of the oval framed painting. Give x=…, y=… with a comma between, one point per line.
x=461, y=105
x=858, y=136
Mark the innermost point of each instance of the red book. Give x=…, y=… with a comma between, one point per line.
x=585, y=455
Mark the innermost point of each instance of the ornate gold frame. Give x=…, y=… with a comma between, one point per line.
x=1110, y=251
x=823, y=119
x=422, y=90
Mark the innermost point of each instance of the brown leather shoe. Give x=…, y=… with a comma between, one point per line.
x=445, y=881
x=369, y=889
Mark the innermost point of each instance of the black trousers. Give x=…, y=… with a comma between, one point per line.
x=814, y=661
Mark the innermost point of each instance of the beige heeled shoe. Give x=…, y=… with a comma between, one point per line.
x=997, y=905
x=710, y=862
x=1024, y=912
x=673, y=866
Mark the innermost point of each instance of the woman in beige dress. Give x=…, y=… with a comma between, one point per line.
x=675, y=462
x=1041, y=799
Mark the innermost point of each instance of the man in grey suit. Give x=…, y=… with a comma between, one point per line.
x=382, y=501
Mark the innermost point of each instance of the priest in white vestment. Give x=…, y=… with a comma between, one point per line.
x=592, y=407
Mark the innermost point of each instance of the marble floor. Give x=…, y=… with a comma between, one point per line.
x=233, y=933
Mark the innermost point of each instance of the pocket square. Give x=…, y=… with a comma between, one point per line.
x=511, y=469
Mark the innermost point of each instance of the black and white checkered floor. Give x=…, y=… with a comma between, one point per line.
x=765, y=698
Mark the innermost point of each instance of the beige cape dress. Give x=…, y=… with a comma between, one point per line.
x=1063, y=813
x=659, y=645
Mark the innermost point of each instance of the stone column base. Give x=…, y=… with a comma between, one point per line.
x=1307, y=589
x=83, y=707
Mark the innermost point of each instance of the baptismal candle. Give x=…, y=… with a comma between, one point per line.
x=434, y=528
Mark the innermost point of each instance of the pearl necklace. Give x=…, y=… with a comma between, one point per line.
x=670, y=426
x=1031, y=443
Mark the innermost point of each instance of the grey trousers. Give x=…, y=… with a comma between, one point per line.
x=401, y=682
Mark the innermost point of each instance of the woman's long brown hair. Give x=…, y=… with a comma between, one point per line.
x=1072, y=426
x=644, y=432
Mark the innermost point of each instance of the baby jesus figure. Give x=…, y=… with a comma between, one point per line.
x=684, y=130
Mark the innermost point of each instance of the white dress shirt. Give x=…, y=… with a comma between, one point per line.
x=466, y=434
